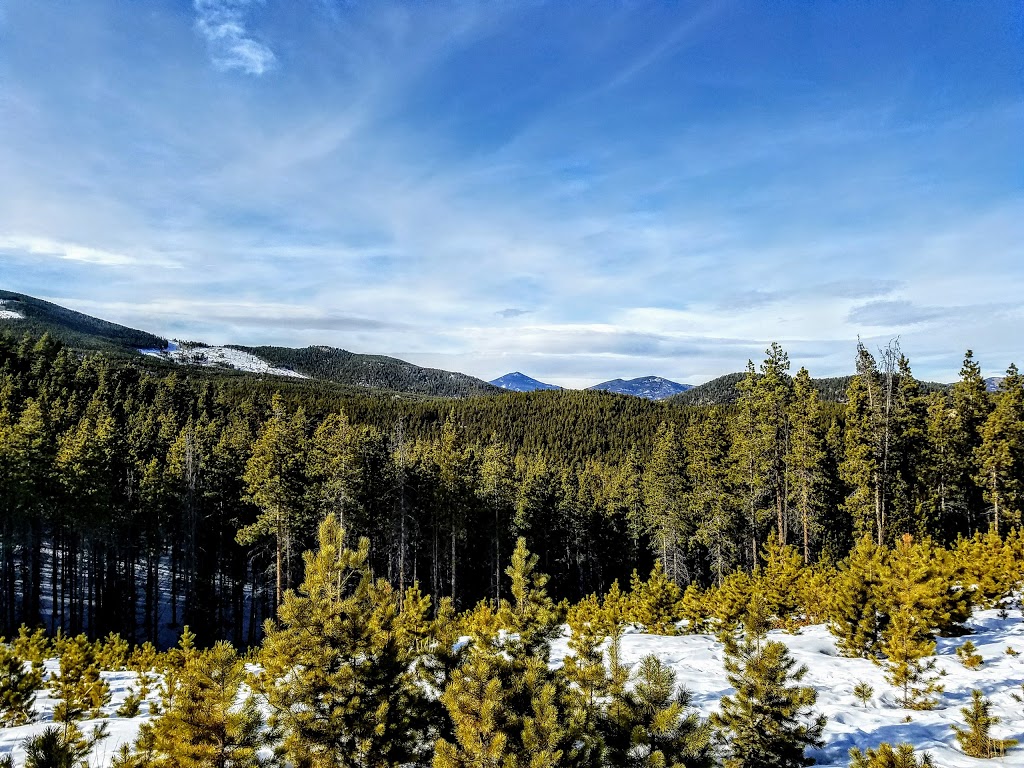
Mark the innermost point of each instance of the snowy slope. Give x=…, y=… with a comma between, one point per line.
x=698, y=663
x=7, y=313
x=520, y=382
x=219, y=357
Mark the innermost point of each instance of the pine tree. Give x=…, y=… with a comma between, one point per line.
x=854, y=615
x=911, y=595
x=19, y=681
x=777, y=581
x=887, y=757
x=709, y=500
x=975, y=739
x=654, y=604
x=806, y=460
x=1001, y=453
x=769, y=722
x=62, y=747
x=506, y=704
x=78, y=684
x=275, y=483
x=653, y=725
x=338, y=684
x=202, y=723
x=664, y=487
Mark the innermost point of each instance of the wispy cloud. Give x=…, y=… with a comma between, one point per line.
x=55, y=249
x=223, y=24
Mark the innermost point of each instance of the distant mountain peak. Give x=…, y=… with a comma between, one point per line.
x=649, y=387
x=520, y=382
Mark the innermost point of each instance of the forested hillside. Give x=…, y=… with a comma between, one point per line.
x=725, y=390
x=374, y=371
x=136, y=500
x=73, y=328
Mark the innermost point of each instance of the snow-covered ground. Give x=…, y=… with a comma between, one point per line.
x=7, y=313
x=698, y=663
x=222, y=357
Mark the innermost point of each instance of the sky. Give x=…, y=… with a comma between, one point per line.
x=575, y=190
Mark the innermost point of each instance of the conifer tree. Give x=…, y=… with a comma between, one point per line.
x=709, y=500
x=769, y=721
x=653, y=725
x=506, y=705
x=19, y=681
x=854, y=615
x=275, y=483
x=886, y=757
x=975, y=739
x=664, y=487
x=805, y=463
x=78, y=684
x=338, y=684
x=202, y=724
x=1001, y=453
x=912, y=594
x=777, y=581
x=654, y=603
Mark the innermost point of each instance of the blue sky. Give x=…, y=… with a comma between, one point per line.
x=576, y=190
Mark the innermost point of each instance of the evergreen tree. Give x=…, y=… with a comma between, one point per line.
x=854, y=615
x=654, y=604
x=1001, y=453
x=664, y=487
x=19, y=682
x=336, y=679
x=201, y=724
x=975, y=739
x=887, y=757
x=806, y=460
x=709, y=500
x=275, y=483
x=769, y=722
x=912, y=597
x=653, y=726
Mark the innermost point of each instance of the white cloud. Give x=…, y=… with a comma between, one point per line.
x=222, y=23
x=43, y=246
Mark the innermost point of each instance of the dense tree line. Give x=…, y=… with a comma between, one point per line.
x=138, y=500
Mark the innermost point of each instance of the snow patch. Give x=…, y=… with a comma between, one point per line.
x=219, y=357
x=7, y=311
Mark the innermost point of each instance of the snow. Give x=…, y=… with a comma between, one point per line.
x=698, y=663
x=6, y=313
x=219, y=357
x=122, y=730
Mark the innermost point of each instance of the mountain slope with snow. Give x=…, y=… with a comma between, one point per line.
x=520, y=382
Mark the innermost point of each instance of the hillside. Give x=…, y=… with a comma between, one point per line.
x=20, y=314
x=373, y=371
x=722, y=391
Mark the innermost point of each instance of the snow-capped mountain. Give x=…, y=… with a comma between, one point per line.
x=520, y=382
x=651, y=387
x=992, y=383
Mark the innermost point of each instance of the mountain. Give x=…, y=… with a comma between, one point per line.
x=520, y=382
x=20, y=314
x=650, y=387
x=992, y=383
x=373, y=371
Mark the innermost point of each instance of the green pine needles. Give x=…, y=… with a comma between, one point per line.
x=975, y=740
x=769, y=722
